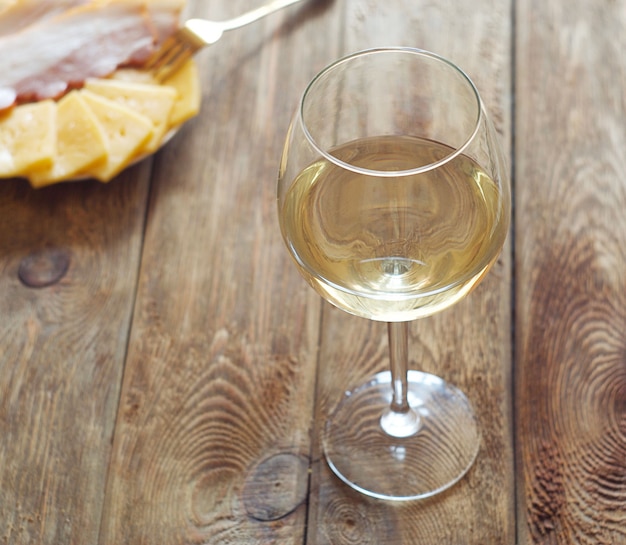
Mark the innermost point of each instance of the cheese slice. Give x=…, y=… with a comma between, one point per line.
x=187, y=84
x=81, y=142
x=27, y=138
x=153, y=101
x=126, y=132
x=186, y=81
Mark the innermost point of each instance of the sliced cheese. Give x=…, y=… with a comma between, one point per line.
x=126, y=132
x=27, y=138
x=153, y=101
x=187, y=84
x=81, y=142
x=49, y=142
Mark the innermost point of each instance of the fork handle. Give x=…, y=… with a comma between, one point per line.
x=255, y=14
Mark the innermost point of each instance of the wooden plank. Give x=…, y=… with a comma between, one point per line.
x=213, y=436
x=64, y=315
x=571, y=281
x=469, y=344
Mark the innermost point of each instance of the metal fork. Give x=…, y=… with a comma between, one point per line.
x=198, y=33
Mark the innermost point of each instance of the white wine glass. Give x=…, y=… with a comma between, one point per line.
x=394, y=202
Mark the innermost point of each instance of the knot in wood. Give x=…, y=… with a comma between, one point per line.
x=350, y=523
x=43, y=268
x=276, y=487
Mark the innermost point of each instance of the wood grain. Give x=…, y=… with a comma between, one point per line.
x=468, y=345
x=571, y=271
x=64, y=318
x=219, y=383
x=165, y=372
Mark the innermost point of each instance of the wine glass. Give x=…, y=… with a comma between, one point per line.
x=394, y=202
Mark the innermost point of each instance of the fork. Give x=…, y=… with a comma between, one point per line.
x=198, y=33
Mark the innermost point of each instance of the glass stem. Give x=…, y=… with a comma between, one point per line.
x=398, y=333
x=399, y=420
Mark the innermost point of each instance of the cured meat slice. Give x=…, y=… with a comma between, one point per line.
x=165, y=14
x=47, y=58
x=22, y=13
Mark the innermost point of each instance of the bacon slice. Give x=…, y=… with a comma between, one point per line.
x=165, y=14
x=22, y=13
x=47, y=58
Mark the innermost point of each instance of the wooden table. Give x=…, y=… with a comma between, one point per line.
x=164, y=370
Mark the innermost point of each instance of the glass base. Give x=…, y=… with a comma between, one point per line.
x=419, y=465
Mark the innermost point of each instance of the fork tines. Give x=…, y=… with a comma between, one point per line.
x=173, y=53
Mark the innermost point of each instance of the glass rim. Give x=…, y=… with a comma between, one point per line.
x=392, y=173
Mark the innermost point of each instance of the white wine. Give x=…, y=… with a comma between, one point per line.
x=394, y=247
